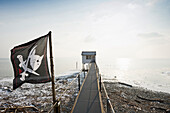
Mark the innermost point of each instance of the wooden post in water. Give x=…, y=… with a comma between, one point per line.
x=52, y=73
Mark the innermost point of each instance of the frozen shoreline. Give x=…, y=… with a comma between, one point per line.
x=127, y=98
x=38, y=95
x=144, y=85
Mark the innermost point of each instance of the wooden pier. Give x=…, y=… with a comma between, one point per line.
x=89, y=97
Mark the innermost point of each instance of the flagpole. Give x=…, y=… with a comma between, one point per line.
x=52, y=71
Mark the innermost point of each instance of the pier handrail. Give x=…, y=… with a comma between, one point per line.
x=109, y=105
x=59, y=99
x=69, y=85
x=108, y=101
x=54, y=105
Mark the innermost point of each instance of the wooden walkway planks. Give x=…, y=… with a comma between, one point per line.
x=89, y=99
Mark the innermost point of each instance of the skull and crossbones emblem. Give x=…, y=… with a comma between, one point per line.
x=35, y=62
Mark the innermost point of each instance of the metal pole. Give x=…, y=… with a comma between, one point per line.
x=52, y=72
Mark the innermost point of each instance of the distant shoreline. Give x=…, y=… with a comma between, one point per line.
x=115, y=80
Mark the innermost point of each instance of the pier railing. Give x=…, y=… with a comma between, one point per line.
x=57, y=104
x=109, y=108
x=109, y=104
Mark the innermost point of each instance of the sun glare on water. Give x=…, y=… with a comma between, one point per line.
x=123, y=63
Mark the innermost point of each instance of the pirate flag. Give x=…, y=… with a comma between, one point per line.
x=29, y=62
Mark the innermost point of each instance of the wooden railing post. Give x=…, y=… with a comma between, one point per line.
x=79, y=82
x=100, y=83
x=108, y=108
x=58, y=107
x=109, y=105
x=83, y=70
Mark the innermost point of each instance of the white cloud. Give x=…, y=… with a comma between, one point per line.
x=153, y=38
x=132, y=6
x=152, y=2
x=150, y=35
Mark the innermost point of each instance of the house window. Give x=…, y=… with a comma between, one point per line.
x=88, y=57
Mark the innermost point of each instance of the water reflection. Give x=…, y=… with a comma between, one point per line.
x=145, y=73
x=123, y=63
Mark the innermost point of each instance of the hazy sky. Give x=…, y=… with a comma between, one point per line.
x=113, y=28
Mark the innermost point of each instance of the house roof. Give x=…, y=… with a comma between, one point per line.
x=88, y=53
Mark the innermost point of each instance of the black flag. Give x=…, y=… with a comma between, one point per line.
x=30, y=62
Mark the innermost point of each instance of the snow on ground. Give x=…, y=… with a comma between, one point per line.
x=39, y=95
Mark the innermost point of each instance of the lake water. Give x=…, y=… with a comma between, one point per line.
x=153, y=74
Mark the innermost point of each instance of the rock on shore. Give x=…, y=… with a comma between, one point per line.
x=39, y=95
x=128, y=99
